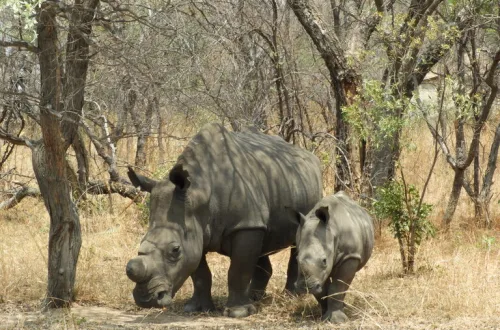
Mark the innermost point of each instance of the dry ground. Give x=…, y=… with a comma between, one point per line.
x=457, y=285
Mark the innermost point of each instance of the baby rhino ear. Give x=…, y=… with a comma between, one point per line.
x=322, y=214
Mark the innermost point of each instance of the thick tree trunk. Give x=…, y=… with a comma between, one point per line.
x=49, y=164
x=344, y=80
x=49, y=156
x=65, y=234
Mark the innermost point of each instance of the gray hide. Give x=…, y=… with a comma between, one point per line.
x=227, y=193
x=334, y=240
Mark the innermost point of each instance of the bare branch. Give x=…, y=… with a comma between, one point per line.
x=18, y=196
x=93, y=188
x=19, y=44
x=125, y=190
x=16, y=140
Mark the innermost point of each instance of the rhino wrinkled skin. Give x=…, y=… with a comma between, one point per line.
x=227, y=193
x=334, y=241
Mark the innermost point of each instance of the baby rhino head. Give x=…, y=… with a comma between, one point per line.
x=315, y=243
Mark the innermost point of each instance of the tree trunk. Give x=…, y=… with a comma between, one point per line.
x=454, y=196
x=49, y=156
x=402, y=251
x=143, y=133
x=49, y=164
x=161, y=143
x=343, y=78
x=65, y=233
x=485, y=194
x=477, y=206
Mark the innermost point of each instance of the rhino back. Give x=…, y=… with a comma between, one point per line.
x=248, y=178
x=353, y=228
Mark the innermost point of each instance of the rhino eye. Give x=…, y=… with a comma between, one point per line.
x=174, y=253
x=324, y=262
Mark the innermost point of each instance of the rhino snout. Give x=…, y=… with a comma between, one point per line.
x=300, y=287
x=159, y=299
x=137, y=270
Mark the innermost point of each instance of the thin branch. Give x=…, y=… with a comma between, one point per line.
x=15, y=140
x=92, y=188
x=18, y=196
x=19, y=44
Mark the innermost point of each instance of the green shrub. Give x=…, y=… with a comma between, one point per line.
x=408, y=218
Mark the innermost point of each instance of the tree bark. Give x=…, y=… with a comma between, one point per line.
x=484, y=195
x=143, y=132
x=344, y=80
x=49, y=157
x=454, y=197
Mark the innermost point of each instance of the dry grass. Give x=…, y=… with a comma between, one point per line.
x=457, y=283
x=458, y=276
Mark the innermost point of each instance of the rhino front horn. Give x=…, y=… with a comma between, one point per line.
x=137, y=270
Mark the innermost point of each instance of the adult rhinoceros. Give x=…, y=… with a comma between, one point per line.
x=227, y=193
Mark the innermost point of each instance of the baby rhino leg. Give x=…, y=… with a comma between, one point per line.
x=341, y=280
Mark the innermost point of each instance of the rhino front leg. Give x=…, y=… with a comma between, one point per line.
x=292, y=272
x=341, y=280
x=260, y=278
x=245, y=250
x=202, y=283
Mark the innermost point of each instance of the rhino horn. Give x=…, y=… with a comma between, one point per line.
x=295, y=215
x=145, y=183
x=137, y=270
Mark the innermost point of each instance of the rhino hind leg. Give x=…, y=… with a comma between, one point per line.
x=245, y=248
x=292, y=272
x=202, y=283
x=260, y=278
x=341, y=280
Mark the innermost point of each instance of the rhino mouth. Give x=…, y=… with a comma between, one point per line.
x=314, y=288
x=159, y=299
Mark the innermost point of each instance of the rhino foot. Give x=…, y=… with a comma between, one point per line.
x=198, y=305
x=258, y=295
x=240, y=311
x=335, y=317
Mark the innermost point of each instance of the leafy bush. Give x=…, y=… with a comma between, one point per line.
x=408, y=218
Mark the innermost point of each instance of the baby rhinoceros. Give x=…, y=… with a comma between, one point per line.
x=334, y=241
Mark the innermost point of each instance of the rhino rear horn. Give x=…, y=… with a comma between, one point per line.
x=296, y=216
x=145, y=183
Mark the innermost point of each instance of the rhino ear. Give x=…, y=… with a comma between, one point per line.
x=180, y=177
x=145, y=183
x=296, y=216
x=322, y=214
